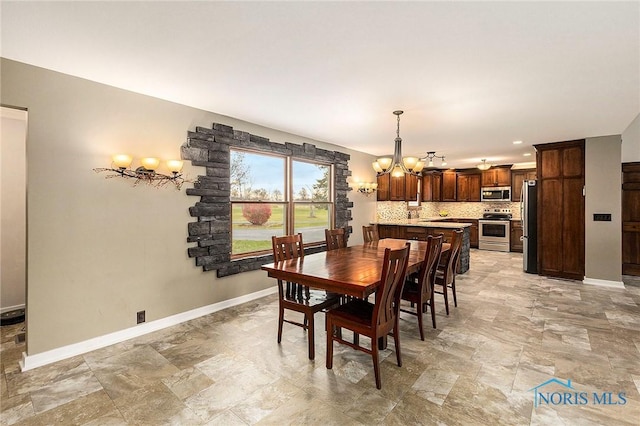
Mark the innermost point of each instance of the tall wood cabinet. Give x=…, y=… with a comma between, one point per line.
x=561, y=224
x=631, y=219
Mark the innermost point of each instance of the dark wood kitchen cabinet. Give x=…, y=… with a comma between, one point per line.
x=468, y=186
x=384, y=187
x=397, y=187
x=561, y=204
x=392, y=231
x=497, y=176
x=631, y=219
x=410, y=187
x=403, y=188
x=432, y=186
x=473, y=230
x=449, y=183
x=517, y=179
x=515, y=239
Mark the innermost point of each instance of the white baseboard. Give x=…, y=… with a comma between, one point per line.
x=603, y=283
x=30, y=362
x=11, y=308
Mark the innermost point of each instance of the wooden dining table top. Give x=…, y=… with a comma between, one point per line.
x=353, y=271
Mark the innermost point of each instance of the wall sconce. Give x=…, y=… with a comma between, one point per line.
x=367, y=188
x=146, y=173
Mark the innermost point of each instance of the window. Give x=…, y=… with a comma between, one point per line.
x=277, y=195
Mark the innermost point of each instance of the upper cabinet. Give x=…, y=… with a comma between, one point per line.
x=391, y=188
x=411, y=187
x=449, y=183
x=468, y=186
x=384, y=188
x=517, y=179
x=497, y=176
x=432, y=186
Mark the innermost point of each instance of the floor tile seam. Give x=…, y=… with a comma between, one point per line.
x=30, y=403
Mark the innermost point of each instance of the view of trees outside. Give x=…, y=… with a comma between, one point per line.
x=258, y=208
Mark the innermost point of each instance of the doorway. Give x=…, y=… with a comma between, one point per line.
x=13, y=215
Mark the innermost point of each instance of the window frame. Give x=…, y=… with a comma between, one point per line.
x=288, y=201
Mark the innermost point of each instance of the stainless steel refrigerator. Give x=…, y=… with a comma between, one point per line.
x=529, y=217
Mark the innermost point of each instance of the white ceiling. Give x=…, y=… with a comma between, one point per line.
x=471, y=77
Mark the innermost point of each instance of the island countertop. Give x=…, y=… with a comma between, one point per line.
x=425, y=223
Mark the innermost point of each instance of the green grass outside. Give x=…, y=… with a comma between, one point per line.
x=275, y=222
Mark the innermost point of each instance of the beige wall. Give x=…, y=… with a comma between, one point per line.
x=631, y=142
x=100, y=250
x=603, y=240
x=13, y=200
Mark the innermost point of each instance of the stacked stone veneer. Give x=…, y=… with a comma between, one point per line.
x=209, y=148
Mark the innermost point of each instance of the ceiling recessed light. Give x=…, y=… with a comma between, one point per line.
x=527, y=154
x=517, y=142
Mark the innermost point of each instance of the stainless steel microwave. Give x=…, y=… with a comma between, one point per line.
x=497, y=193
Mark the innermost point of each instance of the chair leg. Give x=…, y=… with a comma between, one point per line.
x=453, y=290
x=280, y=322
x=446, y=297
x=433, y=311
x=356, y=338
x=312, y=346
x=330, y=332
x=376, y=363
x=419, y=309
x=396, y=340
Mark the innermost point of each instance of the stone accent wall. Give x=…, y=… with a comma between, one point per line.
x=209, y=148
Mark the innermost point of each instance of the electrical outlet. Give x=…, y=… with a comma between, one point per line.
x=140, y=316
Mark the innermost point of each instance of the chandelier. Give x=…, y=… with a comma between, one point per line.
x=399, y=165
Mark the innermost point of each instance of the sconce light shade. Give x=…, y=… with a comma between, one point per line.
x=146, y=173
x=122, y=161
x=367, y=188
x=150, y=163
x=174, y=165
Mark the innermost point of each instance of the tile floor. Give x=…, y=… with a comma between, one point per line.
x=510, y=333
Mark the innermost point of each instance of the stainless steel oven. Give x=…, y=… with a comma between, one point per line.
x=495, y=230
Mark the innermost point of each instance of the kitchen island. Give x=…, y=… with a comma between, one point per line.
x=419, y=229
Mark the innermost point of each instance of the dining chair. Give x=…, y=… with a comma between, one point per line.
x=418, y=288
x=374, y=320
x=296, y=297
x=447, y=269
x=370, y=233
x=335, y=238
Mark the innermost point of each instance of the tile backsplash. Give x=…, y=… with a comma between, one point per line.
x=390, y=210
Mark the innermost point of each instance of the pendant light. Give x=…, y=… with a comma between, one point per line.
x=398, y=165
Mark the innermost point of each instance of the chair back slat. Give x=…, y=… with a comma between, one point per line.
x=335, y=238
x=287, y=247
x=428, y=268
x=450, y=259
x=394, y=271
x=370, y=233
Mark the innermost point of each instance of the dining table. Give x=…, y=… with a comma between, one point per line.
x=353, y=271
